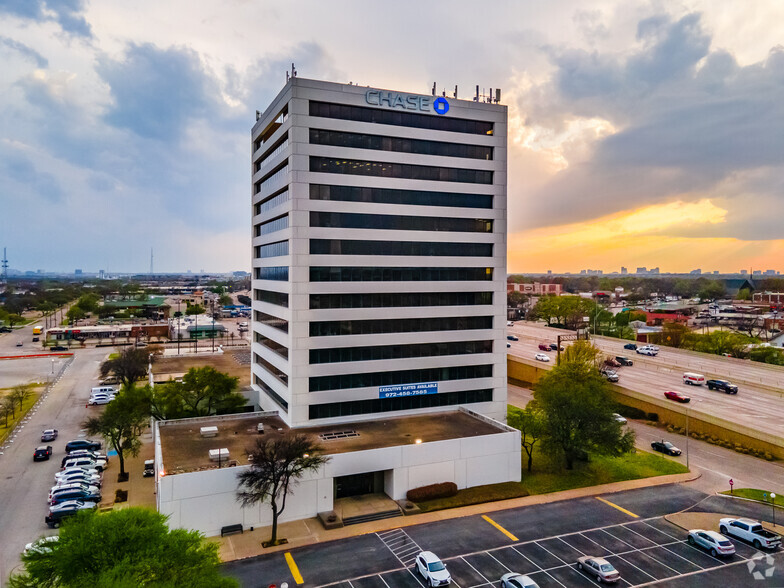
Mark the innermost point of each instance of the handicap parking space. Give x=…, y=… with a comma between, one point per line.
x=643, y=551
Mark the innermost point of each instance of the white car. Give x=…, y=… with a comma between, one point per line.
x=39, y=545
x=76, y=470
x=78, y=478
x=514, y=580
x=542, y=357
x=509, y=324
x=100, y=399
x=432, y=569
x=647, y=351
x=715, y=543
x=619, y=418
x=599, y=568
x=88, y=462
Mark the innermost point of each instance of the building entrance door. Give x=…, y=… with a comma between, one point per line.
x=357, y=484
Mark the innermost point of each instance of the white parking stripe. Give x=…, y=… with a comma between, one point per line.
x=500, y=563
x=548, y=551
x=477, y=571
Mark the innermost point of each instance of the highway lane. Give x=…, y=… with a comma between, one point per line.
x=716, y=464
x=24, y=484
x=753, y=406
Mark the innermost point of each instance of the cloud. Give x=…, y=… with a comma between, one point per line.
x=687, y=121
x=66, y=13
x=24, y=50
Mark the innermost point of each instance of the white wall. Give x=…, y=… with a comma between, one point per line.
x=206, y=500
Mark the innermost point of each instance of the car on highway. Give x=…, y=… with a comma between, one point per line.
x=49, y=435
x=610, y=375
x=624, y=360
x=42, y=453
x=554, y=347
x=77, y=444
x=432, y=569
x=676, y=396
x=514, y=580
x=69, y=508
x=59, y=348
x=599, y=568
x=544, y=347
x=751, y=531
x=693, y=379
x=631, y=346
x=512, y=337
x=723, y=386
x=541, y=357
x=715, y=543
x=650, y=351
x=613, y=363
x=665, y=447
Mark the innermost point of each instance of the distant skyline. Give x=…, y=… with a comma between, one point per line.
x=641, y=133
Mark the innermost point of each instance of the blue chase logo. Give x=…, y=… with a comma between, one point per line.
x=440, y=105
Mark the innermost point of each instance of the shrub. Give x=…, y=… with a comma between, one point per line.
x=631, y=412
x=432, y=492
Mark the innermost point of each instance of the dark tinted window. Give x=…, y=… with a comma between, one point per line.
x=276, y=298
x=271, y=321
x=272, y=345
x=271, y=393
x=377, y=352
x=417, y=325
x=278, y=272
x=400, y=274
x=408, y=197
x=385, y=169
x=280, y=375
x=338, y=409
x=384, y=299
x=399, y=144
x=351, y=220
x=343, y=381
x=400, y=119
x=412, y=248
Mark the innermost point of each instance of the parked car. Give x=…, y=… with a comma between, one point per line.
x=42, y=545
x=541, y=357
x=665, y=447
x=513, y=337
x=36, y=339
x=693, y=379
x=149, y=468
x=514, y=580
x=619, y=418
x=5, y=329
x=99, y=399
x=599, y=568
x=77, y=444
x=49, y=435
x=66, y=509
x=59, y=348
x=676, y=396
x=631, y=346
x=543, y=347
x=715, y=543
x=42, y=452
x=432, y=569
x=84, y=471
x=509, y=323
x=722, y=385
x=84, y=453
x=751, y=531
x=88, y=462
x=77, y=492
x=19, y=343
x=508, y=344
x=624, y=360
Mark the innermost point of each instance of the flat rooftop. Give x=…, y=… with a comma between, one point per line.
x=185, y=450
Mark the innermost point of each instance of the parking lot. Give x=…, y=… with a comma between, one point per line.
x=643, y=551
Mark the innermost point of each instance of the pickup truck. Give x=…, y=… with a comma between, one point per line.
x=751, y=531
x=722, y=385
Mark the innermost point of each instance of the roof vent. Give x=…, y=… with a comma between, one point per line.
x=338, y=435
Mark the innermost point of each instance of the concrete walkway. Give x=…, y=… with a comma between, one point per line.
x=310, y=531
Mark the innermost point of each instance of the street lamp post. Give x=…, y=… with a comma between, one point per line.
x=773, y=505
x=179, y=326
x=687, y=437
x=212, y=307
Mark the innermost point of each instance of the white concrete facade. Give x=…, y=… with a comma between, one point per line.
x=206, y=500
x=281, y=362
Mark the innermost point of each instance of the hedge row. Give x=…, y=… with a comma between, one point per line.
x=431, y=492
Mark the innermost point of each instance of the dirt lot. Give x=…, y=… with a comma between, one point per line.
x=226, y=362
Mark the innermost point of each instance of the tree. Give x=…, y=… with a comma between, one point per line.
x=20, y=393
x=194, y=309
x=225, y=300
x=88, y=302
x=577, y=411
x=74, y=314
x=277, y=464
x=530, y=424
x=122, y=423
x=769, y=355
x=124, y=549
x=202, y=392
x=14, y=319
x=7, y=409
x=129, y=366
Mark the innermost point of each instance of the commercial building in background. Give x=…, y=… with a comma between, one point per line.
x=535, y=289
x=379, y=254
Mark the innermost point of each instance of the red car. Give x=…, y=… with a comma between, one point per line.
x=676, y=396
x=543, y=347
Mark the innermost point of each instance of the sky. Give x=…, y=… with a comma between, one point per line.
x=642, y=133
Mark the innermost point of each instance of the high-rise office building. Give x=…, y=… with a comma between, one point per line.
x=379, y=254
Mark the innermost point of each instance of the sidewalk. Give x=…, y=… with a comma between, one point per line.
x=310, y=531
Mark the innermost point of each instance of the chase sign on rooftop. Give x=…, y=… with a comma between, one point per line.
x=388, y=99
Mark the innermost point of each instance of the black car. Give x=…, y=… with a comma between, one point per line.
x=722, y=385
x=84, y=494
x=624, y=360
x=66, y=509
x=631, y=346
x=665, y=447
x=5, y=329
x=82, y=444
x=49, y=435
x=512, y=337
x=59, y=348
x=554, y=347
x=42, y=452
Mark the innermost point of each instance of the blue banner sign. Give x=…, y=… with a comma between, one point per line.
x=402, y=390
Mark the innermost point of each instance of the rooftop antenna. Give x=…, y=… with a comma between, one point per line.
x=455, y=94
x=476, y=98
x=293, y=70
x=490, y=98
x=433, y=91
x=258, y=114
x=497, y=95
x=5, y=266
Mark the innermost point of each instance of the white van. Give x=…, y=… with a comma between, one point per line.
x=693, y=379
x=111, y=390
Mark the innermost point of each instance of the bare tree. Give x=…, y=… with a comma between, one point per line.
x=20, y=393
x=277, y=464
